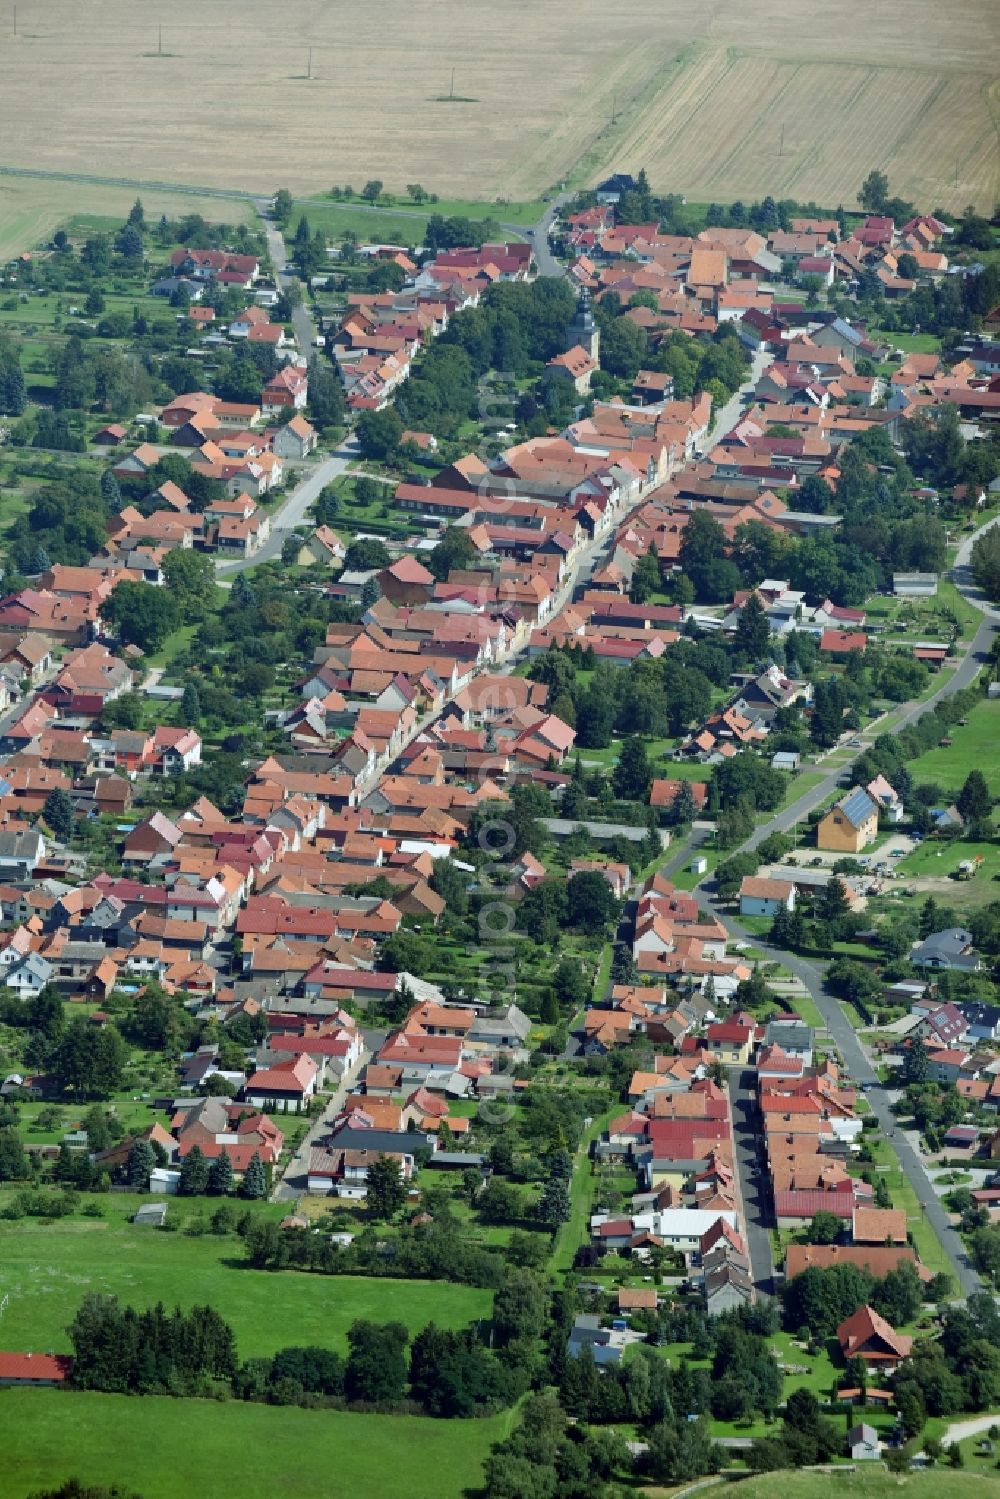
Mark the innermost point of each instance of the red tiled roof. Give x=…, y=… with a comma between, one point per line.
x=806, y=1204
x=864, y=1324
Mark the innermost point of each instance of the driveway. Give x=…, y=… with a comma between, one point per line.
x=959, y=1430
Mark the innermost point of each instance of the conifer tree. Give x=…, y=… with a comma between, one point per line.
x=254, y=1183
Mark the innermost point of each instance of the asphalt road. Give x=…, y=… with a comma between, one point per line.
x=293, y=1179
x=726, y=417
x=965, y=673
x=291, y=513
x=756, y=1215
x=306, y=331
x=538, y=235
x=812, y=975
x=860, y=1069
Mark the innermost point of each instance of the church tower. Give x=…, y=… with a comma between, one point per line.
x=583, y=330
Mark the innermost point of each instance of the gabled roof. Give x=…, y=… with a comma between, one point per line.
x=857, y=806
x=865, y=1324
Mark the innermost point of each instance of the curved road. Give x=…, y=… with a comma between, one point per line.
x=538, y=235
x=813, y=975
x=291, y=512
x=306, y=331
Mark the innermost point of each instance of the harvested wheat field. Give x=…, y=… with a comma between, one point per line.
x=715, y=98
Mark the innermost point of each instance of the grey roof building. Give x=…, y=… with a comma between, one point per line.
x=510, y=1028
x=863, y=1442
x=793, y=1036
x=381, y=1141
x=20, y=853
x=951, y=949
x=587, y=1332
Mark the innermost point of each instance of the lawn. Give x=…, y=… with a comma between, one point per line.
x=910, y=343
x=573, y=1232
x=972, y=748
x=806, y=1006
x=134, y=1114
x=939, y=859
x=799, y=785
x=47, y=1269
x=820, y=1377
x=31, y=208
x=165, y=1447
x=686, y=878
x=402, y=224
x=656, y=752
x=908, y=620
x=174, y=648
x=925, y=1240
x=466, y=208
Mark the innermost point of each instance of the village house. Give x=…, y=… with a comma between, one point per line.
x=867, y=1336
x=295, y=440
x=850, y=825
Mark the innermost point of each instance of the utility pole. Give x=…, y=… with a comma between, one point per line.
x=159, y=41
x=15, y=20
x=781, y=142
x=451, y=95
x=309, y=68
x=614, y=109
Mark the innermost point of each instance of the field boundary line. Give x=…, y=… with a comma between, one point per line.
x=141, y=183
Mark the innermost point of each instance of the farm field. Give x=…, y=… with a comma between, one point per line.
x=163, y=1447
x=870, y=1483
x=807, y=126
x=715, y=102
x=32, y=207
x=47, y=1269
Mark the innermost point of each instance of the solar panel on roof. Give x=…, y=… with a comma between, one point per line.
x=857, y=806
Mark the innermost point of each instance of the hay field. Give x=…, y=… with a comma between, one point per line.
x=31, y=208
x=699, y=90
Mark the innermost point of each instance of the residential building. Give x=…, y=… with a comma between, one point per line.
x=850, y=825
x=868, y=1336
x=863, y=1444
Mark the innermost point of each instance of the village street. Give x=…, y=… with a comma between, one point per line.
x=590, y=557
x=812, y=975
x=293, y=1179
x=306, y=331
x=291, y=513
